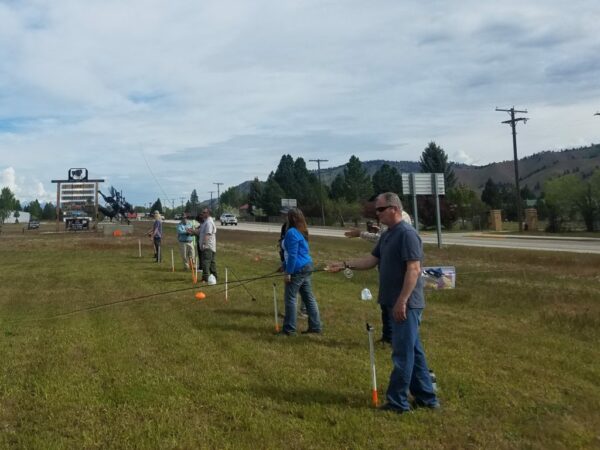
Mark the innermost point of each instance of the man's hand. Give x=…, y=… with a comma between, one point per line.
x=280, y=269
x=287, y=278
x=335, y=266
x=399, y=311
x=352, y=233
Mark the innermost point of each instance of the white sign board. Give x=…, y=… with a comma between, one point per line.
x=289, y=203
x=424, y=183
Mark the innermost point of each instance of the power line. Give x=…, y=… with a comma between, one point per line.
x=218, y=195
x=513, y=123
x=211, y=202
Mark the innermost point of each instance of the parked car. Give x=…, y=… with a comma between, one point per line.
x=228, y=219
x=33, y=225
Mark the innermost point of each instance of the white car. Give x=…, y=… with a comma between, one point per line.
x=228, y=219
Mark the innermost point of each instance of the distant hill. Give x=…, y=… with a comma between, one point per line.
x=534, y=170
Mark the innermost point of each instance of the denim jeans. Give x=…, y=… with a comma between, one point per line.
x=301, y=283
x=386, y=325
x=410, y=371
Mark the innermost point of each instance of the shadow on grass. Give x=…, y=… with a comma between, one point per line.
x=309, y=396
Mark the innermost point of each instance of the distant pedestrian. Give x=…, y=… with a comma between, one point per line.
x=156, y=234
x=298, y=268
x=186, y=242
x=208, y=245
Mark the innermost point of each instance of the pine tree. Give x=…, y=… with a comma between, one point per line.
x=272, y=195
x=387, y=179
x=49, y=212
x=157, y=206
x=434, y=160
x=194, y=202
x=357, y=183
x=491, y=194
x=337, y=187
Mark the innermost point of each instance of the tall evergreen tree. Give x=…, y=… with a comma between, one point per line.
x=156, y=206
x=357, y=182
x=285, y=176
x=255, y=195
x=34, y=208
x=233, y=197
x=491, y=194
x=194, y=203
x=387, y=179
x=271, y=197
x=435, y=160
x=337, y=187
x=49, y=212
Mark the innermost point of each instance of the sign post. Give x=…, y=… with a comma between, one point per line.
x=425, y=184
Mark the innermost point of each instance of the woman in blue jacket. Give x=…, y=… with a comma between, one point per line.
x=298, y=267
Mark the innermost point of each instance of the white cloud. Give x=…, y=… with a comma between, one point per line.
x=218, y=91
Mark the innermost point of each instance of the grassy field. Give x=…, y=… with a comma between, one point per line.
x=515, y=348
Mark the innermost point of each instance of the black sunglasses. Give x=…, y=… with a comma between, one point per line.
x=383, y=208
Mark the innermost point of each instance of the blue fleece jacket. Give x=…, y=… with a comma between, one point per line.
x=296, y=251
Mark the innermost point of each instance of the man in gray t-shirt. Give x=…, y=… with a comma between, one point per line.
x=398, y=254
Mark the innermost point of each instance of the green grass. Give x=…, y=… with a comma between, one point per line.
x=515, y=348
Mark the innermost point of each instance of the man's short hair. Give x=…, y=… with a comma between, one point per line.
x=207, y=210
x=392, y=199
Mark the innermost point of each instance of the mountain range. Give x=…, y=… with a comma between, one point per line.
x=534, y=170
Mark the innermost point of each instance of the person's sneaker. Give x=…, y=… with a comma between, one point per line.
x=416, y=403
x=387, y=407
x=285, y=333
x=309, y=331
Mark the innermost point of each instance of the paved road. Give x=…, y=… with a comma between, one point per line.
x=558, y=244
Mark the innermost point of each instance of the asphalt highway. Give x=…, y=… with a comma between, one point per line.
x=537, y=243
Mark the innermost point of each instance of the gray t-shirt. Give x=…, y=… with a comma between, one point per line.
x=395, y=247
x=209, y=228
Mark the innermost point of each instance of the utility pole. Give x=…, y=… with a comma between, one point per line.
x=218, y=198
x=211, y=204
x=182, y=208
x=513, y=123
x=319, y=161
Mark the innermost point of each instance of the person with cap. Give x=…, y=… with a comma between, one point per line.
x=398, y=254
x=156, y=234
x=186, y=242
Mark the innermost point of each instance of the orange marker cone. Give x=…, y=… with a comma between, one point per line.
x=200, y=295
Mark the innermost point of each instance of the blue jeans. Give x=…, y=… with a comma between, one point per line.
x=301, y=283
x=410, y=371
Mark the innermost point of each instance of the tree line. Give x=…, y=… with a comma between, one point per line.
x=564, y=201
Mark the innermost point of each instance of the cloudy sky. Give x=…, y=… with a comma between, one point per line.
x=160, y=97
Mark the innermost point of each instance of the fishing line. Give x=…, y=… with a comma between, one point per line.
x=153, y=176
x=143, y=297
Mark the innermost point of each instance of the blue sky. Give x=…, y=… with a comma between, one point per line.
x=197, y=92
